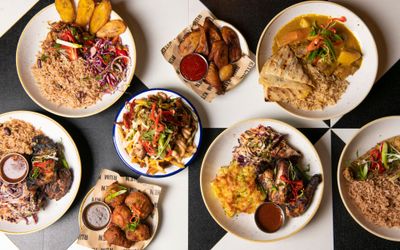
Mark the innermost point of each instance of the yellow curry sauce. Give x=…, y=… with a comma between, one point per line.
x=304, y=22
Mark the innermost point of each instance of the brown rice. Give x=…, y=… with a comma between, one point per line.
x=67, y=83
x=16, y=137
x=378, y=199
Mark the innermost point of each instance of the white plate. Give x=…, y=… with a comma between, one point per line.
x=368, y=136
x=220, y=154
x=54, y=209
x=124, y=155
x=359, y=84
x=29, y=46
x=152, y=220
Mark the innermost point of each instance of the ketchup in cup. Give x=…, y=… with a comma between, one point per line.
x=193, y=67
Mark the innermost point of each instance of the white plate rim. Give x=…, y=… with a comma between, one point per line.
x=80, y=167
x=375, y=52
x=306, y=140
x=117, y=97
x=339, y=171
x=131, y=165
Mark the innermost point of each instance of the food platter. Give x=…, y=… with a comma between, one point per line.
x=89, y=198
x=28, y=48
x=368, y=136
x=218, y=47
x=122, y=153
x=359, y=84
x=218, y=154
x=54, y=209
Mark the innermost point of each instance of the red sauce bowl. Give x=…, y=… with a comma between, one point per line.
x=193, y=67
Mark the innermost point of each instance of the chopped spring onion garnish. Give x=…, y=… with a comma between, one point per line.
x=69, y=44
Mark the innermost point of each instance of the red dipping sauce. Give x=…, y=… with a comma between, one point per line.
x=193, y=67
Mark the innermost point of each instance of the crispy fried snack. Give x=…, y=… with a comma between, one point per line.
x=226, y=72
x=66, y=10
x=121, y=216
x=112, y=29
x=140, y=204
x=84, y=12
x=115, y=194
x=189, y=43
x=212, y=78
x=212, y=31
x=203, y=48
x=116, y=236
x=231, y=38
x=141, y=232
x=101, y=15
x=219, y=53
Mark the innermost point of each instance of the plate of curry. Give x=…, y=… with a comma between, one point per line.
x=317, y=60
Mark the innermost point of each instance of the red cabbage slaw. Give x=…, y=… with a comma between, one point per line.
x=108, y=60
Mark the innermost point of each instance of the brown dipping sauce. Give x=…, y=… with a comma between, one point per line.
x=193, y=67
x=269, y=217
x=14, y=168
x=96, y=215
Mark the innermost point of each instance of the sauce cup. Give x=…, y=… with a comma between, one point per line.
x=193, y=67
x=93, y=213
x=14, y=168
x=269, y=217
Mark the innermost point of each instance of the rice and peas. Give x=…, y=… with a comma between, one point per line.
x=78, y=77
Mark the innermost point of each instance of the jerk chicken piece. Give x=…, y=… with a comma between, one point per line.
x=44, y=161
x=282, y=150
x=115, y=236
x=267, y=182
x=300, y=205
x=60, y=187
x=280, y=195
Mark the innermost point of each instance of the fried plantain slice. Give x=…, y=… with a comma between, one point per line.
x=219, y=54
x=212, y=78
x=101, y=15
x=203, y=48
x=112, y=29
x=189, y=43
x=232, y=39
x=212, y=31
x=66, y=10
x=84, y=12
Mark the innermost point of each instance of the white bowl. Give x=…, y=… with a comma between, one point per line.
x=54, y=210
x=29, y=46
x=359, y=84
x=368, y=136
x=171, y=170
x=220, y=154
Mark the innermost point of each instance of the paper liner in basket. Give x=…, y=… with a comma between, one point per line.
x=202, y=88
x=94, y=239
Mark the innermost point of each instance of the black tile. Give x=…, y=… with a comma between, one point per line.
x=204, y=232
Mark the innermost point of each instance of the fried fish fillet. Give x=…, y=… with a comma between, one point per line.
x=284, y=78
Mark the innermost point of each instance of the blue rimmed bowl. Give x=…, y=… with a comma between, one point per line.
x=171, y=170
